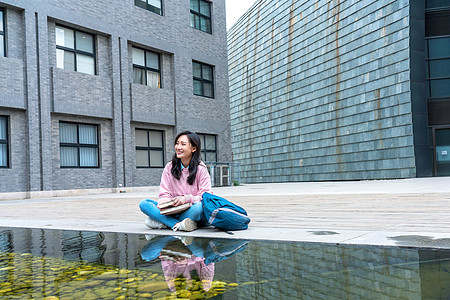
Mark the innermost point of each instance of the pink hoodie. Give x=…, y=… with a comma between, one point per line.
x=170, y=187
x=173, y=269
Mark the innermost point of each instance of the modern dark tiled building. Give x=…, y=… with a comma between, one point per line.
x=341, y=90
x=93, y=92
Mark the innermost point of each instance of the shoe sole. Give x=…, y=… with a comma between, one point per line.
x=189, y=225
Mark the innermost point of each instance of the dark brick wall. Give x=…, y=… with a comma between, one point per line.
x=33, y=87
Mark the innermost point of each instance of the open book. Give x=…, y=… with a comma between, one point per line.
x=168, y=208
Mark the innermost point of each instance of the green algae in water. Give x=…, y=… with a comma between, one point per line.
x=25, y=276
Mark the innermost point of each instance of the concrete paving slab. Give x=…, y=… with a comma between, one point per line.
x=407, y=213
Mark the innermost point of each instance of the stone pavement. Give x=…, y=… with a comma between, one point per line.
x=406, y=212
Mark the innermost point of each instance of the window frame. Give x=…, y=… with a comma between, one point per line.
x=149, y=148
x=202, y=16
x=433, y=145
x=75, y=51
x=149, y=7
x=203, y=80
x=429, y=78
x=203, y=150
x=3, y=30
x=78, y=145
x=6, y=142
x=145, y=68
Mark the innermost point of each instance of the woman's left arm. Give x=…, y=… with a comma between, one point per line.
x=204, y=185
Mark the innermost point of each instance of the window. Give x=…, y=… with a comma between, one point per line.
x=151, y=5
x=442, y=150
x=203, y=79
x=208, y=147
x=146, y=67
x=437, y=4
x=438, y=67
x=4, y=142
x=75, y=50
x=201, y=15
x=2, y=33
x=79, y=145
x=149, y=148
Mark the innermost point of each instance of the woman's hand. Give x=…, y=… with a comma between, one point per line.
x=179, y=200
x=163, y=200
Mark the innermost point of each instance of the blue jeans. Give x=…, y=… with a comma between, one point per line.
x=149, y=207
x=152, y=250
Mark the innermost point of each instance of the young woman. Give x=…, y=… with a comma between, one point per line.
x=185, y=179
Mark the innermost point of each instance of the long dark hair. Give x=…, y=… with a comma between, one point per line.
x=195, y=159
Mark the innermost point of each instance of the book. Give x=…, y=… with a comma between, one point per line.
x=166, y=204
x=168, y=208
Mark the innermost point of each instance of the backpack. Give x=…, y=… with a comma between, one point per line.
x=221, y=249
x=224, y=214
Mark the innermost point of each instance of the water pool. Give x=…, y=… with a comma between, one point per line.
x=61, y=264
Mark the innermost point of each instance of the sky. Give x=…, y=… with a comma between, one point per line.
x=235, y=9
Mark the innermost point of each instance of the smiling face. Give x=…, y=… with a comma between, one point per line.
x=184, y=149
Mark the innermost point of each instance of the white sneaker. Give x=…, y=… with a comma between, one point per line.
x=152, y=224
x=185, y=225
x=186, y=240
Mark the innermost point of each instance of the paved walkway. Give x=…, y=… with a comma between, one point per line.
x=407, y=212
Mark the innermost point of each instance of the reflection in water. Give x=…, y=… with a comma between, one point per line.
x=37, y=263
x=181, y=256
x=55, y=264
x=83, y=245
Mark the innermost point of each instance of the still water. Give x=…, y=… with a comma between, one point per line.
x=57, y=264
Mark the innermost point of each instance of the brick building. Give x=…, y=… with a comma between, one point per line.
x=340, y=90
x=92, y=93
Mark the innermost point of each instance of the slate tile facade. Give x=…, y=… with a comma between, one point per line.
x=322, y=90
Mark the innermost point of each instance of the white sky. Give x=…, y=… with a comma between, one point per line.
x=235, y=9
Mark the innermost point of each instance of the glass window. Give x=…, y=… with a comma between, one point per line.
x=138, y=57
x=438, y=58
x=4, y=156
x=151, y=5
x=79, y=147
x=75, y=50
x=442, y=137
x=439, y=68
x=156, y=139
x=439, y=88
x=208, y=147
x=65, y=60
x=149, y=148
x=85, y=64
x=85, y=42
x=203, y=79
x=437, y=3
x=204, y=8
x=438, y=47
x=141, y=138
x=152, y=60
x=2, y=33
x=201, y=15
x=142, y=160
x=146, y=67
x=64, y=37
